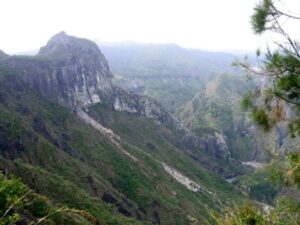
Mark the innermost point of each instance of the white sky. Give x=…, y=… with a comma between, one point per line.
x=221, y=25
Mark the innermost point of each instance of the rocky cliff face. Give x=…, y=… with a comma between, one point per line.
x=74, y=72
x=70, y=69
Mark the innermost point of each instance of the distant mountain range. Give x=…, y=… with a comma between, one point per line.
x=204, y=92
x=202, y=89
x=167, y=71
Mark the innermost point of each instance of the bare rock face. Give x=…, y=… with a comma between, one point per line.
x=80, y=67
x=144, y=106
x=210, y=144
x=70, y=69
x=73, y=72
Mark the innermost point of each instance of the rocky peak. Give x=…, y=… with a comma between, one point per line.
x=81, y=66
x=62, y=43
x=64, y=49
x=71, y=70
x=60, y=37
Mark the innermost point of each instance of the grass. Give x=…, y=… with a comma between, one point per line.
x=60, y=157
x=19, y=204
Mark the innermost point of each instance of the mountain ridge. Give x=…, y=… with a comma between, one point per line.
x=148, y=176
x=75, y=80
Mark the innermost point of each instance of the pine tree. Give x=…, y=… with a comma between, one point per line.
x=278, y=100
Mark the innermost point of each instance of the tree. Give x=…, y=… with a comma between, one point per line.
x=278, y=100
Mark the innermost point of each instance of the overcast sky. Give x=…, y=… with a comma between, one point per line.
x=219, y=25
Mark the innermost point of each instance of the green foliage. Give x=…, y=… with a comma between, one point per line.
x=11, y=123
x=260, y=17
x=286, y=213
x=269, y=107
x=67, y=161
x=73, y=165
x=12, y=193
x=280, y=68
x=261, y=117
x=245, y=215
x=18, y=204
x=259, y=186
x=286, y=171
x=39, y=205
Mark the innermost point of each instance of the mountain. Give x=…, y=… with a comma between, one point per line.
x=69, y=133
x=74, y=73
x=167, y=72
x=204, y=93
x=217, y=108
x=201, y=89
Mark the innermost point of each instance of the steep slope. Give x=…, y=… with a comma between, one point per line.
x=206, y=100
x=63, y=72
x=217, y=109
x=71, y=135
x=20, y=205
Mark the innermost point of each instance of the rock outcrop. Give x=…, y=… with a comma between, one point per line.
x=74, y=72
x=69, y=69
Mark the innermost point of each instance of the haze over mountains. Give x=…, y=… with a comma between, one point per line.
x=202, y=89
x=134, y=134
x=53, y=109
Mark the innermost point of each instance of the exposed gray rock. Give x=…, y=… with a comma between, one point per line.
x=69, y=69
x=74, y=72
x=180, y=178
x=105, y=131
